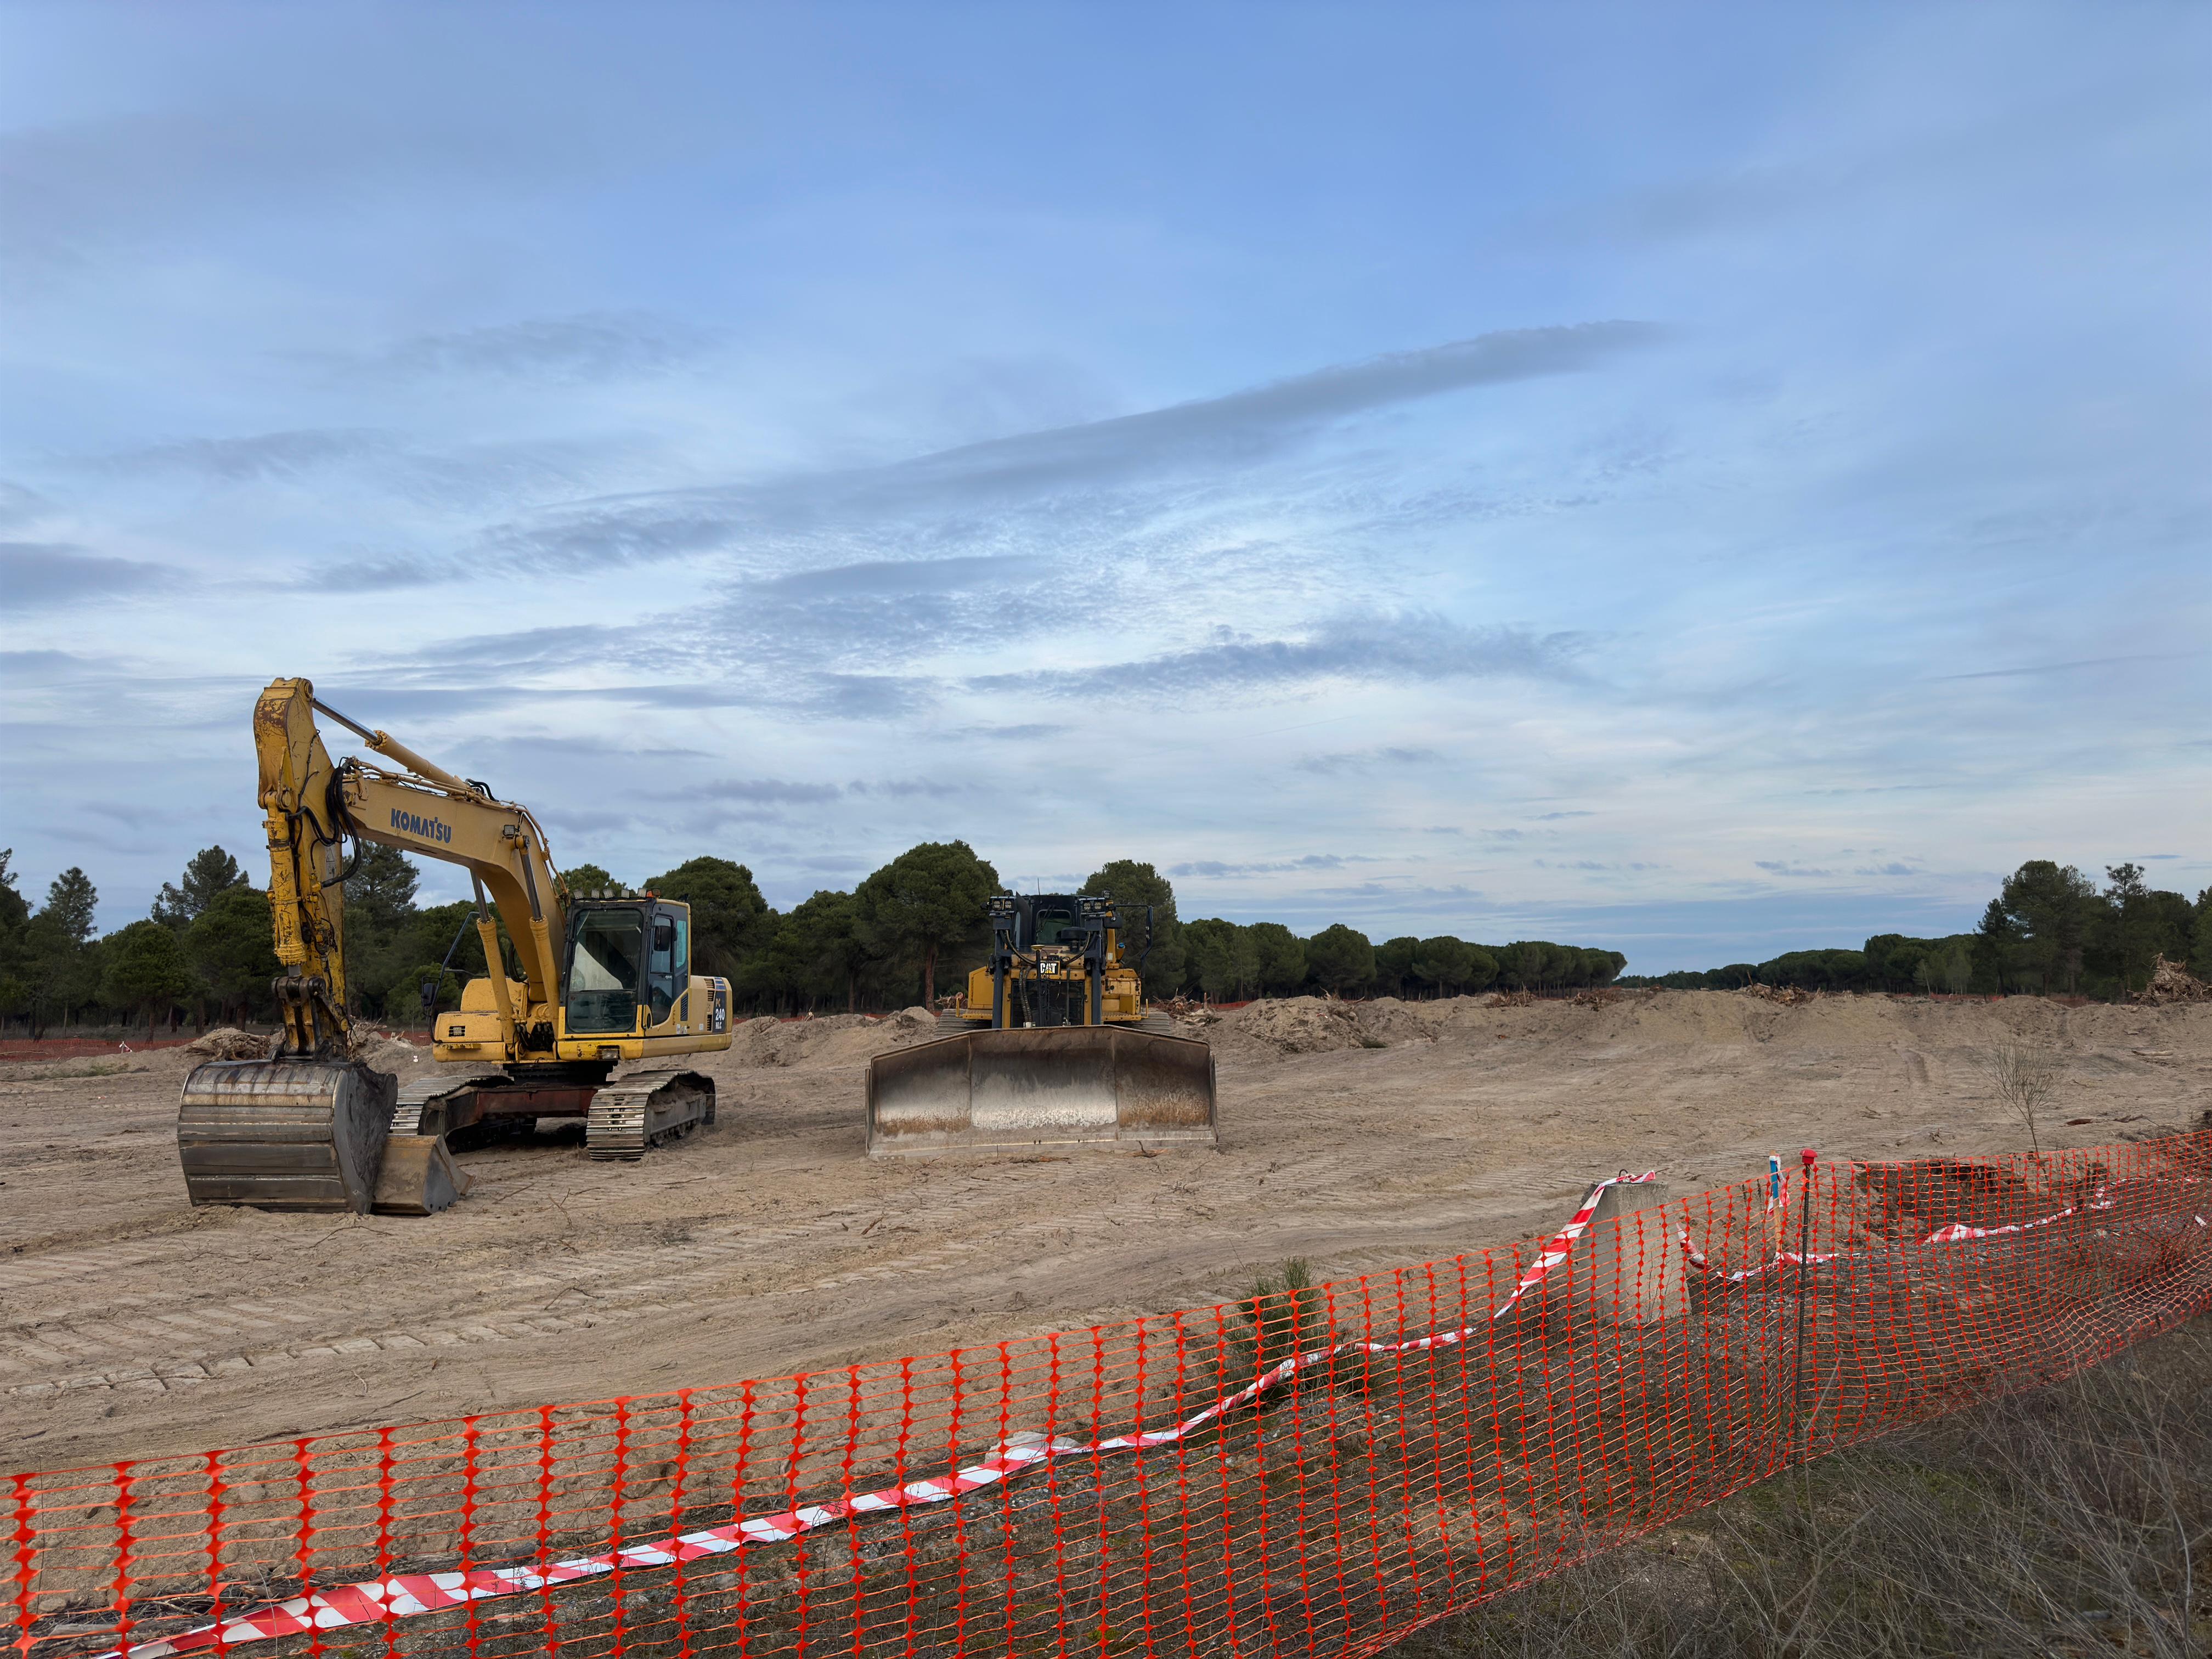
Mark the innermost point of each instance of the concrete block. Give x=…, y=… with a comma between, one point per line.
x=1634, y=1266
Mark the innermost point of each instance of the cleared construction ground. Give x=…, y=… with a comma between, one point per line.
x=1358, y=1135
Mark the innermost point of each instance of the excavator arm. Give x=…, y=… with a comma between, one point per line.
x=313, y=805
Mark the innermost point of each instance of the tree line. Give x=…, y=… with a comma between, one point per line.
x=910, y=930
x=2050, y=930
x=915, y=926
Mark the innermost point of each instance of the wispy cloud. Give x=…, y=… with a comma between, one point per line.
x=1212, y=869
x=19, y=506
x=910, y=788
x=2037, y=669
x=1365, y=760
x=1235, y=431
x=898, y=578
x=1033, y=731
x=261, y=456
x=779, y=791
x=589, y=346
x=1418, y=646
x=41, y=574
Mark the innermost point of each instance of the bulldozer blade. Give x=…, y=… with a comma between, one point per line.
x=1044, y=1087
x=284, y=1135
x=419, y=1177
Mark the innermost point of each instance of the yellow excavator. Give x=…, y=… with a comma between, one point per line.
x=604, y=979
x=1051, y=1046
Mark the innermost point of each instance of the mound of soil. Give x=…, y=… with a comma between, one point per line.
x=1298, y=1025
x=1388, y=1020
x=387, y=1053
x=830, y=1039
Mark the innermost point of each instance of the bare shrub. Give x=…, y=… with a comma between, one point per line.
x=1282, y=1316
x=2025, y=1075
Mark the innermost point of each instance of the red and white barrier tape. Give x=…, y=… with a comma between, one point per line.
x=410, y=1594
x=1957, y=1233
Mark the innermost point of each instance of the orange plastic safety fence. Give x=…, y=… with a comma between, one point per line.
x=1311, y=1470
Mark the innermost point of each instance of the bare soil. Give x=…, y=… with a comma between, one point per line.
x=134, y=1326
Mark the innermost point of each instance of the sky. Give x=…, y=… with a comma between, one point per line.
x=1696, y=481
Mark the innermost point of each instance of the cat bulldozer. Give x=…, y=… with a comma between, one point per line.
x=1050, y=1047
x=604, y=980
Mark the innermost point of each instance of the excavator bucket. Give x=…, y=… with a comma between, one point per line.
x=285, y=1134
x=1041, y=1087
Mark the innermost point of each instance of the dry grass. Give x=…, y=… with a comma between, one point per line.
x=2074, y=1520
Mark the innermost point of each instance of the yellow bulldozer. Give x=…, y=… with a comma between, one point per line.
x=1050, y=1045
x=604, y=979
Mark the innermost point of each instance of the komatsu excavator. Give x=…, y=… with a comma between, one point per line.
x=605, y=978
x=1052, y=1046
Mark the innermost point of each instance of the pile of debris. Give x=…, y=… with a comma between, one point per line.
x=1512, y=999
x=1788, y=995
x=1304, y=1025
x=2171, y=982
x=1597, y=996
x=228, y=1043
x=1189, y=1008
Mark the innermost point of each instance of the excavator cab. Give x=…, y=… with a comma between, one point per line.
x=627, y=990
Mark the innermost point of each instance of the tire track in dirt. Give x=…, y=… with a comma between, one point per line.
x=130, y=1325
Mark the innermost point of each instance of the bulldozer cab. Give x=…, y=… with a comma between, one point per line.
x=1050, y=953
x=1051, y=921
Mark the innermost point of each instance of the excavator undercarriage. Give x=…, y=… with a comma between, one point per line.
x=289, y=1134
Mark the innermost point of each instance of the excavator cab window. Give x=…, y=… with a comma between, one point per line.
x=606, y=962
x=664, y=974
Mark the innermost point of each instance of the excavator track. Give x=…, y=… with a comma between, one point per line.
x=645, y=1109
x=420, y=1106
x=285, y=1134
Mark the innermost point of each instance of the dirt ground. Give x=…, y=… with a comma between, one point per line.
x=133, y=1325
